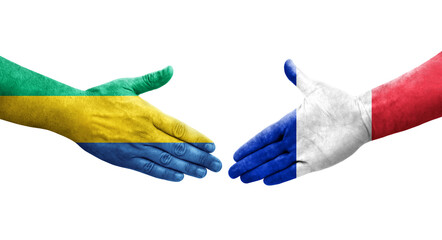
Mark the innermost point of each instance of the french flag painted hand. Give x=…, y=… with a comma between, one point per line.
x=331, y=125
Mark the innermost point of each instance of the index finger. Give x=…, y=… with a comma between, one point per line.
x=183, y=132
x=269, y=135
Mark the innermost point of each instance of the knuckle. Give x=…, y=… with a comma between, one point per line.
x=188, y=167
x=147, y=80
x=180, y=149
x=179, y=130
x=157, y=119
x=148, y=167
x=165, y=158
x=203, y=159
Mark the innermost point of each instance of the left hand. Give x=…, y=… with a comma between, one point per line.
x=327, y=128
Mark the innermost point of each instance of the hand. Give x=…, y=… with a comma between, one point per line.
x=109, y=121
x=112, y=123
x=328, y=127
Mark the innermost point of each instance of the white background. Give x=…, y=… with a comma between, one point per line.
x=229, y=84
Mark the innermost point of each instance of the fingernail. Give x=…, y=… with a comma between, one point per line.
x=201, y=172
x=232, y=173
x=210, y=147
x=179, y=176
x=216, y=166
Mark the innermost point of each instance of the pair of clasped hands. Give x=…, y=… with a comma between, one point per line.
x=324, y=130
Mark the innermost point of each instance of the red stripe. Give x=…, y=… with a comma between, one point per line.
x=410, y=100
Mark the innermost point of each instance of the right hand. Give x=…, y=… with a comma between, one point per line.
x=126, y=131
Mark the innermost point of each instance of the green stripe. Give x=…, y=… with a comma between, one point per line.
x=16, y=80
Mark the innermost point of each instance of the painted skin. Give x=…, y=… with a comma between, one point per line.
x=109, y=121
x=331, y=125
x=328, y=127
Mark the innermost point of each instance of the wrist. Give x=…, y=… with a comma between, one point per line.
x=364, y=105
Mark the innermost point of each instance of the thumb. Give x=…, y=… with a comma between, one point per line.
x=293, y=73
x=150, y=81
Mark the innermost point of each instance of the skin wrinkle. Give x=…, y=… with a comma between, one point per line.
x=331, y=124
x=326, y=129
x=365, y=115
x=323, y=159
x=108, y=121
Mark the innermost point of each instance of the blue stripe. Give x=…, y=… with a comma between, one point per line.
x=162, y=160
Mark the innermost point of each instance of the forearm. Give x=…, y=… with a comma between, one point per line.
x=408, y=101
x=16, y=80
x=26, y=97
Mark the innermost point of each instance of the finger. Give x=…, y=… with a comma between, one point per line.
x=256, y=159
x=165, y=159
x=290, y=71
x=150, y=81
x=150, y=168
x=271, y=134
x=293, y=73
x=283, y=176
x=191, y=154
x=295, y=170
x=207, y=147
x=181, y=131
x=271, y=167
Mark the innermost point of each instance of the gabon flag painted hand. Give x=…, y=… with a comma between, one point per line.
x=109, y=121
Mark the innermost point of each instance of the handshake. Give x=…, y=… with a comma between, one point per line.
x=114, y=124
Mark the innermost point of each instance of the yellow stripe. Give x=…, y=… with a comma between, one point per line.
x=89, y=119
